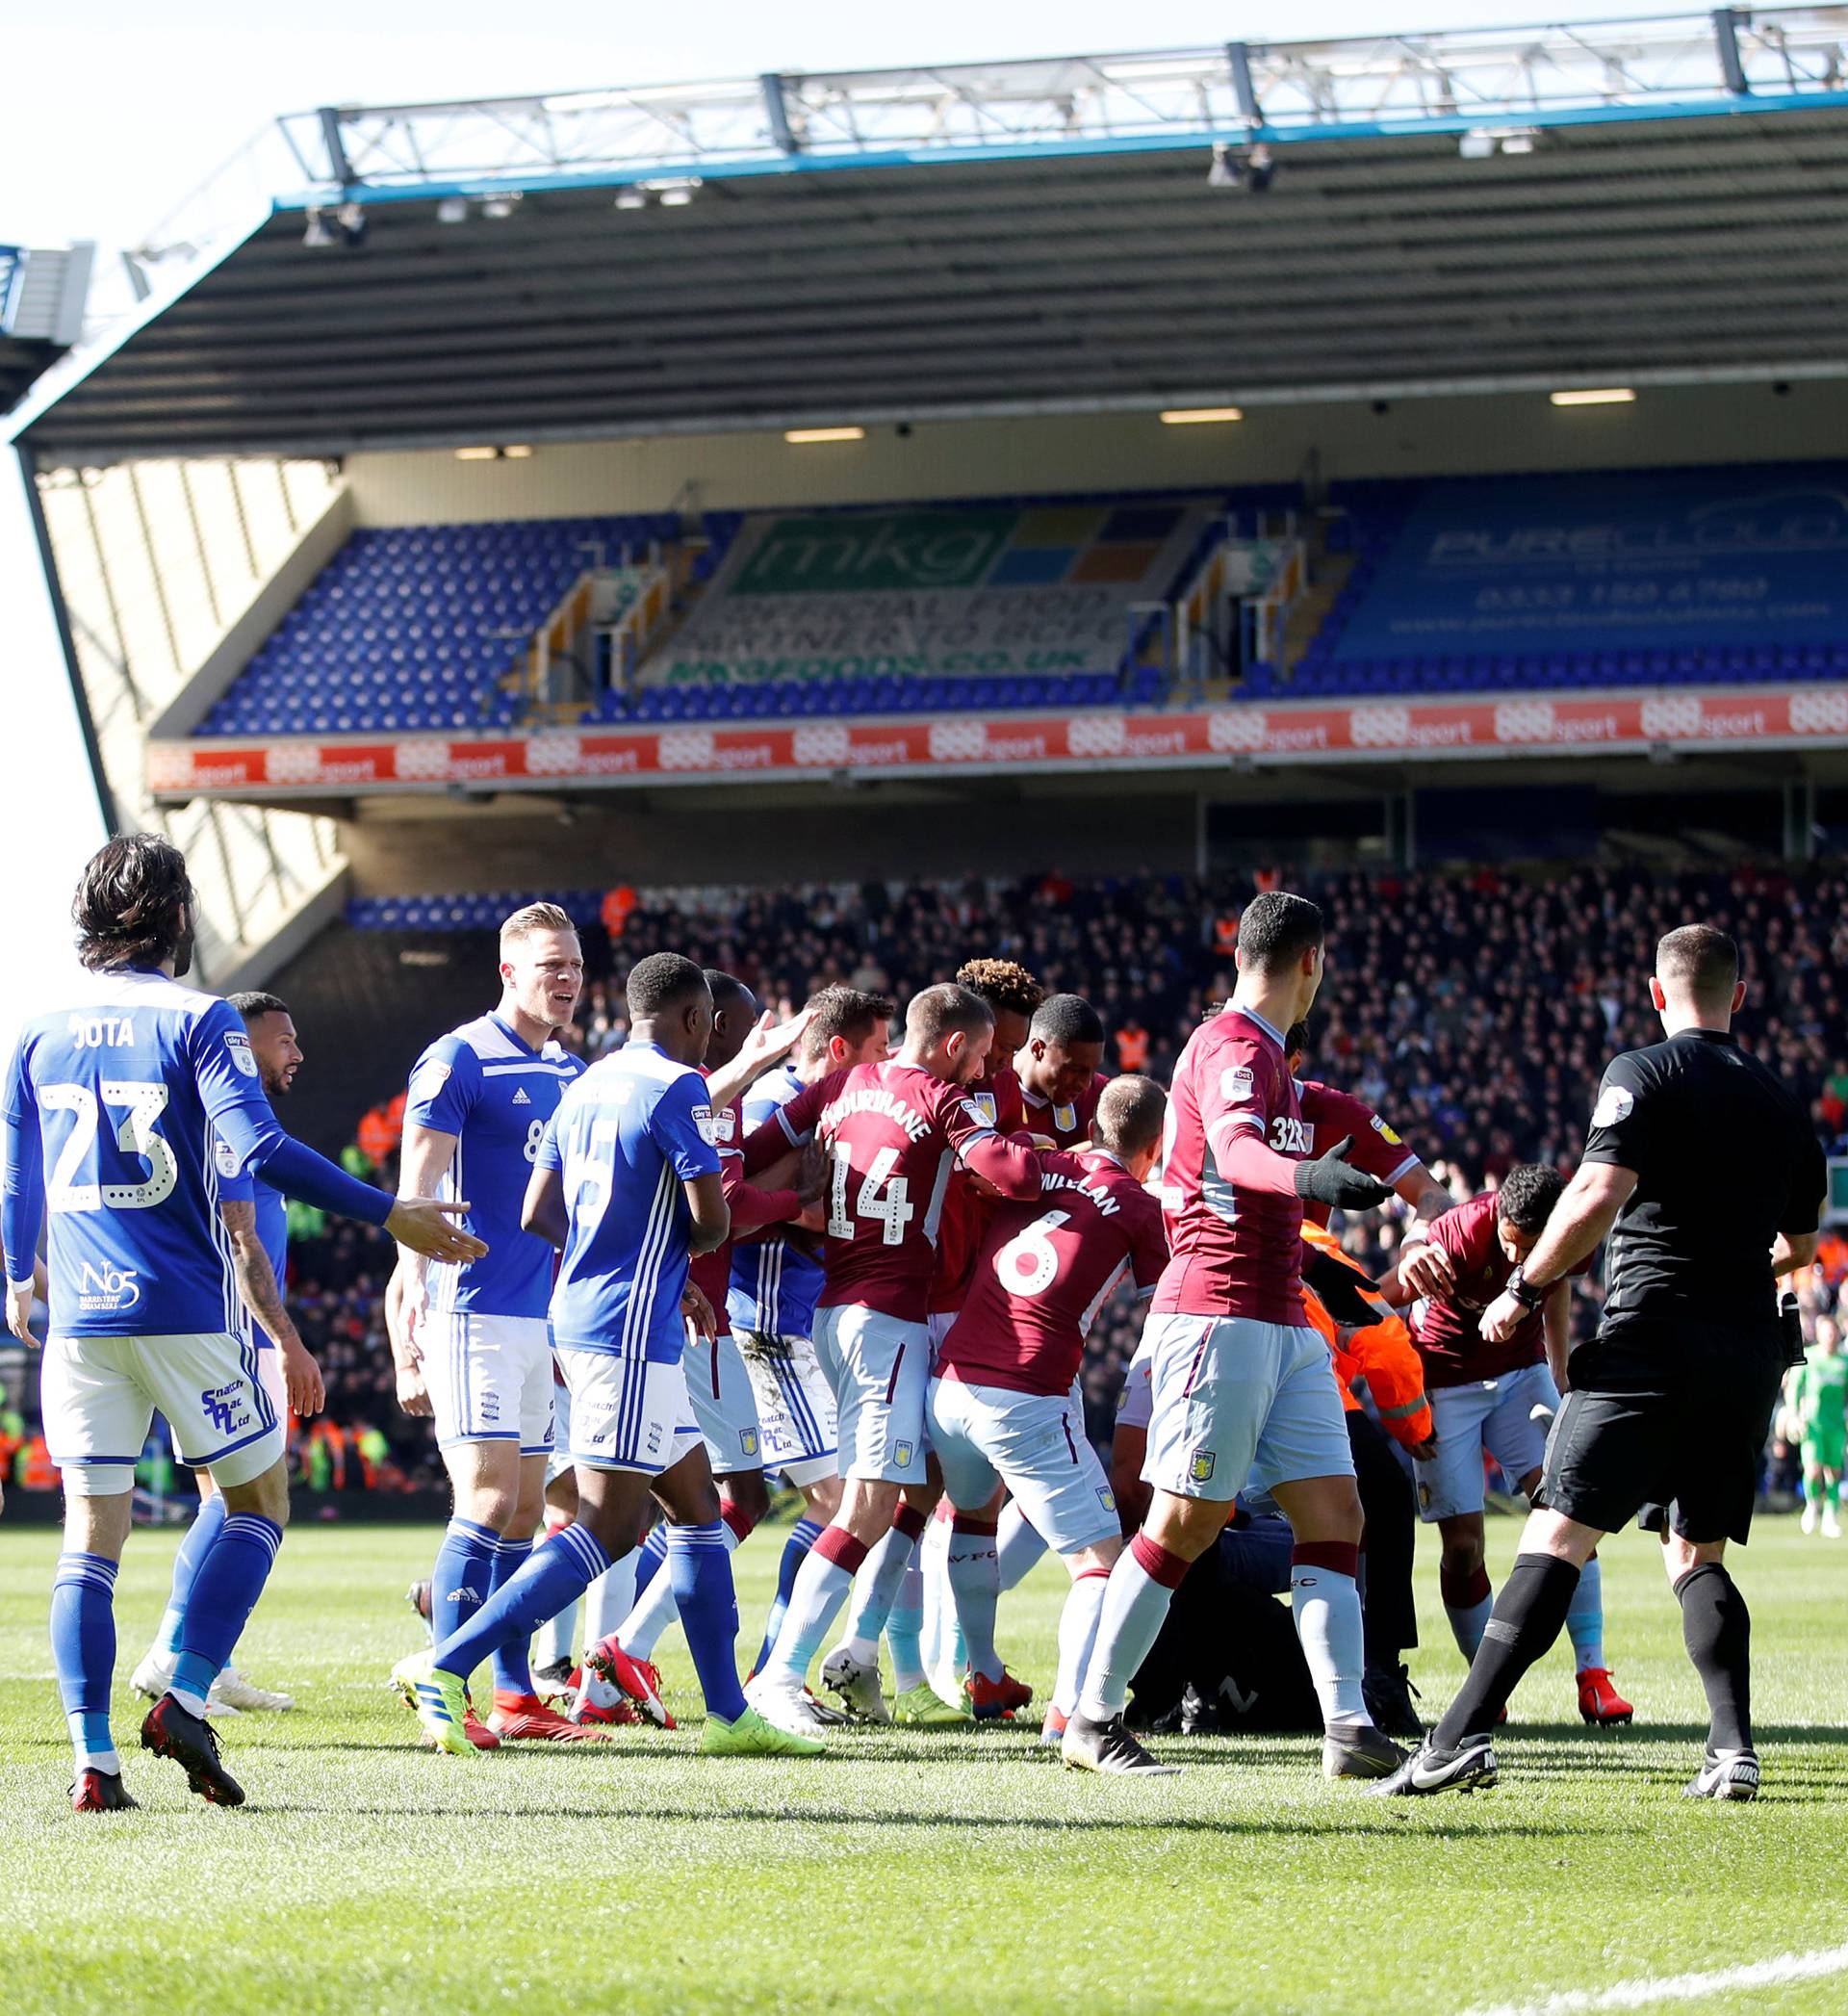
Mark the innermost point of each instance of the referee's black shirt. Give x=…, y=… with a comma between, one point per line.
x=1725, y=1159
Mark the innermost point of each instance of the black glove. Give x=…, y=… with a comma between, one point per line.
x=1332, y=1180
x=1338, y=1287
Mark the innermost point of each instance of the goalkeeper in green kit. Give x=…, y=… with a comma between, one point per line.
x=1820, y=1398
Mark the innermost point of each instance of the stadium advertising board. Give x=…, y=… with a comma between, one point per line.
x=1536, y=725
x=1612, y=563
x=976, y=592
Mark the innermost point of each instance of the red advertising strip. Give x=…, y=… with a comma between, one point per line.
x=1530, y=724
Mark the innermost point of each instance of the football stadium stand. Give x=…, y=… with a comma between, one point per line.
x=1621, y=579
x=417, y=626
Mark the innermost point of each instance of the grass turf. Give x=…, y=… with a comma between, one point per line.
x=910, y=1871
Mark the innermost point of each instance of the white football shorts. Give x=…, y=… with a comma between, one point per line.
x=99, y=1396
x=795, y=1406
x=1495, y=1415
x=1034, y=1444
x=1235, y=1401
x=489, y=1377
x=878, y=1367
x=725, y=1402
x=628, y=1413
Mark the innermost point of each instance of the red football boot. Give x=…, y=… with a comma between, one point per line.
x=638, y=1678
x=619, y=1713
x=525, y=1718
x=1598, y=1702
x=477, y=1731
x=996, y=1700
x=101, y=1791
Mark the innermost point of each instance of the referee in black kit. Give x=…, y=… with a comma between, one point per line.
x=1708, y=1178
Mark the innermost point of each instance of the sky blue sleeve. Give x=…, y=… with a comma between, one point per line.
x=235, y=1184
x=446, y=1082
x=552, y=1147
x=22, y=1171
x=681, y=1128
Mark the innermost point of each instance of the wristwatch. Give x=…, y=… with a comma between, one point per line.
x=1523, y=1291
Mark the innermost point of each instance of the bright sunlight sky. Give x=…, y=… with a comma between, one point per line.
x=117, y=109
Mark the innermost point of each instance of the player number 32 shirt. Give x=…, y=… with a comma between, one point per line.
x=1234, y=1253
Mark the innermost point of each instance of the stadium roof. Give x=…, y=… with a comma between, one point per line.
x=1643, y=202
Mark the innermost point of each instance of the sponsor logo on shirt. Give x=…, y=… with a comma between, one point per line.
x=226, y=1156
x=520, y=1097
x=708, y=1128
x=1236, y=1084
x=428, y=1079
x=239, y=1046
x=725, y=1125
x=1615, y=1104
x=106, y=1288
x=1385, y=1132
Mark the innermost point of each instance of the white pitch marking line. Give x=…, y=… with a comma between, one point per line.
x=1775, y=1972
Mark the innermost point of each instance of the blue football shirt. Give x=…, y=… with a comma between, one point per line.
x=272, y=1222
x=115, y=1100
x=775, y=1280
x=495, y=1093
x=627, y=1135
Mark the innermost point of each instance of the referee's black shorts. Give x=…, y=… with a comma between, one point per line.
x=1674, y=1414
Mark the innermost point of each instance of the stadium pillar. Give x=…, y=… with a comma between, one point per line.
x=1800, y=818
x=1725, y=38
x=1401, y=829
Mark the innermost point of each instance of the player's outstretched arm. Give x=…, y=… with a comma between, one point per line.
x=1006, y=1164
x=261, y=1293
x=768, y=1043
x=1423, y=1266
x=1330, y=1178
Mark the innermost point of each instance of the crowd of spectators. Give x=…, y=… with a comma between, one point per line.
x=1474, y=1011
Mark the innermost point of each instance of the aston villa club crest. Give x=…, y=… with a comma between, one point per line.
x=748, y=1440
x=1200, y=1465
x=902, y=1454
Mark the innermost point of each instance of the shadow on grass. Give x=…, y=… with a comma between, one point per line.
x=984, y=1822
x=1665, y=1732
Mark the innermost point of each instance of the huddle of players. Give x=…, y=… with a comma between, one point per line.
x=962, y=1256
x=911, y=1247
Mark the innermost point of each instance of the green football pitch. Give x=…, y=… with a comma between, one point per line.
x=918, y=1872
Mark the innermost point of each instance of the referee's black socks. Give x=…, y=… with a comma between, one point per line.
x=1716, y=1628
x=1529, y=1615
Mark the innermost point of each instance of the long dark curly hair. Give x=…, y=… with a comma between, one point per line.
x=133, y=904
